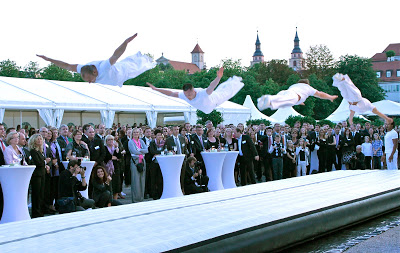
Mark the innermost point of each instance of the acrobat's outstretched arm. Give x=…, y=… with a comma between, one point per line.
x=61, y=64
x=164, y=91
x=121, y=49
x=323, y=95
x=214, y=83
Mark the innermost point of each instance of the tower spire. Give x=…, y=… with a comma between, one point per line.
x=296, y=61
x=258, y=55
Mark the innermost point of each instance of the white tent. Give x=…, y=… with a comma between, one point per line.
x=387, y=107
x=342, y=113
x=255, y=113
x=282, y=114
x=52, y=99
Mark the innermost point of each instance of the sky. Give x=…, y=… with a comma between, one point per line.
x=85, y=30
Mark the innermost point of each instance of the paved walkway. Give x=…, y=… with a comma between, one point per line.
x=388, y=241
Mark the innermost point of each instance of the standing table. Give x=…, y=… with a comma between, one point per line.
x=213, y=162
x=89, y=166
x=15, y=183
x=228, y=170
x=171, y=166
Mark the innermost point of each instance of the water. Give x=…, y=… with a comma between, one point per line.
x=348, y=237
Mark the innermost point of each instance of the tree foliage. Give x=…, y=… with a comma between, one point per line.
x=9, y=68
x=214, y=116
x=258, y=122
x=319, y=61
x=390, y=53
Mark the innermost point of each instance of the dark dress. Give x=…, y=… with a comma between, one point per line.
x=38, y=183
x=288, y=165
x=80, y=150
x=323, y=154
x=348, y=150
x=116, y=178
x=209, y=144
x=102, y=193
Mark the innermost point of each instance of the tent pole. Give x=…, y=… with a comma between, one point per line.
x=20, y=117
x=81, y=119
x=38, y=125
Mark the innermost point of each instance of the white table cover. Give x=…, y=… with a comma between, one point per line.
x=228, y=170
x=171, y=166
x=213, y=162
x=15, y=183
x=89, y=167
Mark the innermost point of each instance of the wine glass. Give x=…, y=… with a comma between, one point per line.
x=175, y=148
x=20, y=158
x=74, y=155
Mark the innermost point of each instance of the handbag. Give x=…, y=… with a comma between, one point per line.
x=66, y=205
x=139, y=166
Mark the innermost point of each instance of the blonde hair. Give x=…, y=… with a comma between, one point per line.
x=32, y=142
x=106, y=139
x=10, y=136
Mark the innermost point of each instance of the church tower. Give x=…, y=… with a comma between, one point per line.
x=258, y=55
x=296, y=62
x=198, y=57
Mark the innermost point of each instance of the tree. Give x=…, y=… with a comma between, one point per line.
x=52, y=72
x=9, y=68
x=31, y=70
x=214, y=116
x=258, y=122
x=291, y=120
x=363, y=76
x=326, y=122
x=390, y=53
x=319, y=61
x=277, y=70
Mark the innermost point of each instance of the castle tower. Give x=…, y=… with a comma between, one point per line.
x=198, y=57
x=296, y=62
x=258, y=55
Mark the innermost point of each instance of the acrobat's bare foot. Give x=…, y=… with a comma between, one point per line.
x=333, y=98
x=302, y=104
x=150, y=85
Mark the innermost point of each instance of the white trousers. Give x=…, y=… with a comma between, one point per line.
x=302, y=168
x=393, y=164
x=284, y=98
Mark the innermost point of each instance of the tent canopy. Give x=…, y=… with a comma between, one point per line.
x=342, y=113
x=283, y=113
x=255, y=113
x=387, y=107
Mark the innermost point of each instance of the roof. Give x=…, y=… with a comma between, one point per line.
x=296, y=48
x=384, y=66
x=382, y=56
x=197, y=49
x=189, y=67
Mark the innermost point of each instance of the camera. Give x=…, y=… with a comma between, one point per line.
x=83, y=168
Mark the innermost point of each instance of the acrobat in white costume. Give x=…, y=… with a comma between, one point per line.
x=357, y=104
x=110, y=71
x=207, y=100
x=294, y=95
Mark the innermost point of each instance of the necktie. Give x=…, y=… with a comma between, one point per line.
x=2, y=145
x=201, y=141
x=178, y=147
x=269, y=142
x=66, y=140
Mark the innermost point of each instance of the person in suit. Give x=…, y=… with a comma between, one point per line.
x=199, y=142
x=38, y=177
x=338, y=150
x=266, y=142
x=194, y=180
x=2, y=162
x=348, y=148
x=124, y=138
x=155, y=149
x=63, y=141
x=177, y=144
x=147, y=139
x=356, y=135
x=247, y=153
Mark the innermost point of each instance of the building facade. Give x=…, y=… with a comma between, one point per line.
x=258, y=56
x=296, y=61
x=388, y=71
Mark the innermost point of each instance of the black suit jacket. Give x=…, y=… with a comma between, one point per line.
x=248, y=148
x=357, y=138
x=38, y=160
x=147, y=156
x=2, y=162
x=197, y=148
x=265, y=143
x=170, y=143
x=97, y=150
x=63, y=145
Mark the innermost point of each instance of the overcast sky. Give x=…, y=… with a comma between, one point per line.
x=86, y=30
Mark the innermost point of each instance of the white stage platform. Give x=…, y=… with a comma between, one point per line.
x=261, y=217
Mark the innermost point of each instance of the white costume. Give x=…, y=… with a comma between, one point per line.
x=286, y=98
x=389, y=137
x=224, y=92
x=117, y=74
x=352, y=94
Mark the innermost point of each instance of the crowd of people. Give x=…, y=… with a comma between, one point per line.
x=127, y=155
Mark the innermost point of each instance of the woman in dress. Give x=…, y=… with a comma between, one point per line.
x=211, y=142
x=112, y=164
x=348, y=148
x=77, y=149
x=102, y=190
x=155, y=149
x=289, y=161
x=110, y=71
x=12, y=153
x=322, y=142
x=38, y=177
x=219, y=137
x=331, y=155
x=138, y=149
